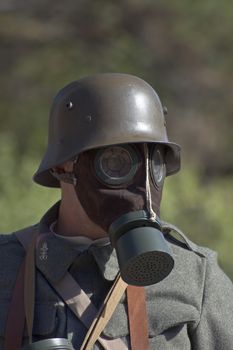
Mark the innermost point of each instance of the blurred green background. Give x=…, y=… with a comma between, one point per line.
x=183, y=48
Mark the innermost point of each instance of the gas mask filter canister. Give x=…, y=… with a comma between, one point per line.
x=143, y=254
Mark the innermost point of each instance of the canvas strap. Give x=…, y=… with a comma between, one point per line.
x=105, y=313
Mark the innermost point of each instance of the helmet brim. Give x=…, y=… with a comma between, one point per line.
x=44, y=176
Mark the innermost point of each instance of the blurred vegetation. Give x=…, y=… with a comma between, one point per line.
x=183, y=48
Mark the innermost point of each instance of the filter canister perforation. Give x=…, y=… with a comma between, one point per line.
x=146, y=269
x=144, y=256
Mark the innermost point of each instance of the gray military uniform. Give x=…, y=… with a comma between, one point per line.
x=190, y=309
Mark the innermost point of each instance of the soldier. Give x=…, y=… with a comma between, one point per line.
x=101, y=270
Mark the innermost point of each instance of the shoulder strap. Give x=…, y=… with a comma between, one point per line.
x=28, y=239
x=21, y=306
x=16, y=314
x=138, y=321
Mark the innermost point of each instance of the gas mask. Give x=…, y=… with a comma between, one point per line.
x=120, y=189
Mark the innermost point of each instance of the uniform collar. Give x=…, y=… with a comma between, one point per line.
x=55, y=256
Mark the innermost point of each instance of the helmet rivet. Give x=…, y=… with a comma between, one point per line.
x=88, y=118
x=165, y=111
x=69, y=105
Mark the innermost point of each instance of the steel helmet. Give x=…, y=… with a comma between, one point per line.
x=101, y=110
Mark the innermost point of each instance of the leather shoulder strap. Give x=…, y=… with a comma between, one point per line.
x=138, y=321
x=16, y=314
x=28, y=239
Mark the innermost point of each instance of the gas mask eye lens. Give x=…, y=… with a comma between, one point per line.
x=116, y=165
x=158, y=168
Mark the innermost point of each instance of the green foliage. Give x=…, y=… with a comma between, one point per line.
x=22, y=203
